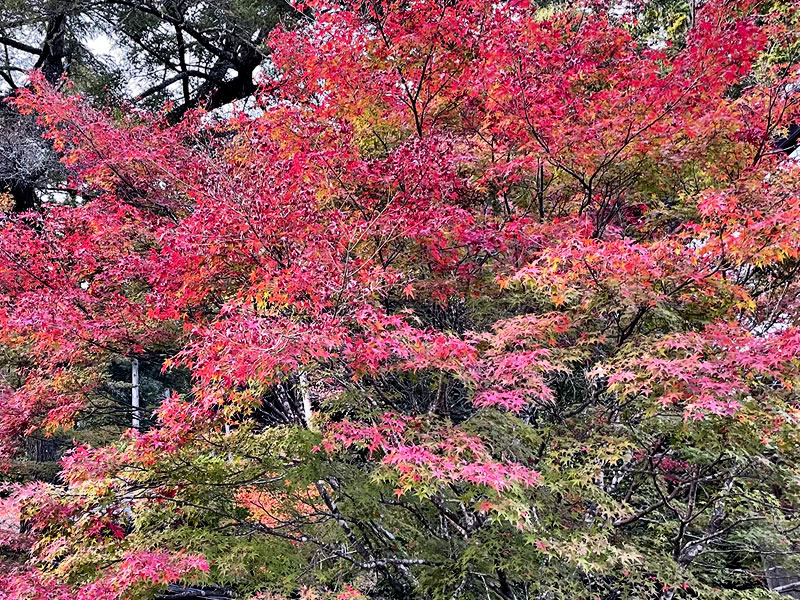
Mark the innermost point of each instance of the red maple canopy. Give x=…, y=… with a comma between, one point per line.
x=519, y=283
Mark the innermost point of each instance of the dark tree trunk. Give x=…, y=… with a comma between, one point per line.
x=25, y=197
x=22, y=186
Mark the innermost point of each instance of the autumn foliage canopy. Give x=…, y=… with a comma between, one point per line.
x=472, y=300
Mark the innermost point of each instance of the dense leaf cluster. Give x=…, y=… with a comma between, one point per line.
x=482, y=300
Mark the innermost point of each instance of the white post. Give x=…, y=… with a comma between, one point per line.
x=305, y=394
x=227, y=433
x=135, y=392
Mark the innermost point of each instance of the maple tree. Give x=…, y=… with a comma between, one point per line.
x=483, y=300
